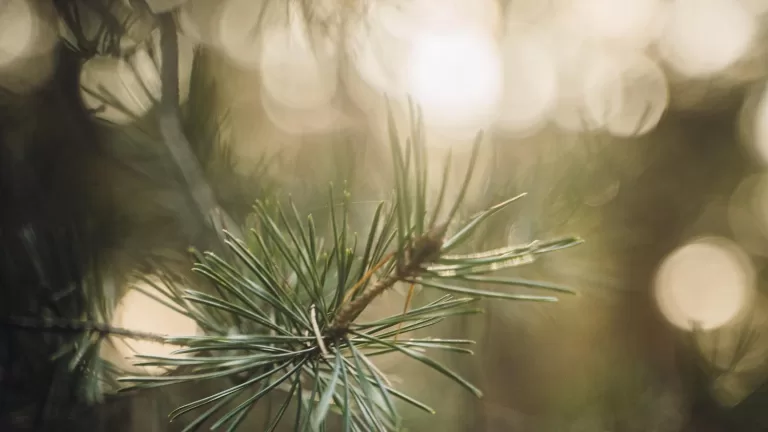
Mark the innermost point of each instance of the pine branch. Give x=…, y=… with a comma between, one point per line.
x=171, y=129
x=296, y=301
x=53, y=325
x=424, y=250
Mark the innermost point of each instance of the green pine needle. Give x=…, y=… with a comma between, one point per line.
x=297, y=300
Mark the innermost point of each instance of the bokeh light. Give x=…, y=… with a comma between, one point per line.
x=28, y=37
x=530, y=85
x=755, y=7
x=456, y=77
x=626, y=94
x=406, y=18
x=141, y=313
x=758, y=138
x=298, y=70
x=314, y=120
x=576, y=61
x=18, y=24
x=632, y=23
x=703, y=37
x=114, y=91
x=235, y=29
x=748, y=214
x=122, y=90
x=375, y=58
x=528, y=11
x=198, y=19
x=705, y=283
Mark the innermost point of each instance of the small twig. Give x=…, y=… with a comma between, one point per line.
x=367, y=276
x=423, y=250
x=316, y=329
x=52, y=325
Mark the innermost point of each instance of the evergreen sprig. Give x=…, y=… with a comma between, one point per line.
x=286, y=313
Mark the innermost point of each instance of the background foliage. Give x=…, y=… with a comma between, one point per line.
x=88, y=204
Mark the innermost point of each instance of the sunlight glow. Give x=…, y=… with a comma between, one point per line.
x=706, y=282
x=122, y=90
x=317, y=120
x=138, y=312
x=530, y=85
x=760, y=128
x=626, y=94
x=456, y=76
x=576, y=61
x=235, y=31
x=755, y=7
x=703, y=37
x=528, y=11
x=748, y=214
x=198, y=19
x=298, y=69
x=376, y=56
x=18, y=24
x=28, y=37
x=630, y=22
x=114, y=91
x=405, y=18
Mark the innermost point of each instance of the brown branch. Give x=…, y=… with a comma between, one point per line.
x=353, y=309
x=54, y=325
x=366, y=276
x=421, y=251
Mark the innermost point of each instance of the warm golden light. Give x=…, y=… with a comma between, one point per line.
x=626, y=94
x=528, y=11
x=759, y=136
x=122, y=90
x=139, y=312
x=628, y=22
x=576, y=61
x=237, y=33
x=748, y=214
x=18, y=24
x=198, y=19
x=405, y=19
x=317, y=120
x=705, y=283
x=456, y=77
x=703, y=37
x=116, y=94
x=755, y=7
x=530, y=85
x=298, y=69
x=28, y=36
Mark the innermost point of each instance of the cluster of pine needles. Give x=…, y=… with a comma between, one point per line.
x=285, y=313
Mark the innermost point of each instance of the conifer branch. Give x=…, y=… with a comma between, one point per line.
x=53, y=325
x=169, y=120
x=424, y=250
x=296, y=301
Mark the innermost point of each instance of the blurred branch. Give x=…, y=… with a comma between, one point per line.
x=171, y=129
x=52, y=325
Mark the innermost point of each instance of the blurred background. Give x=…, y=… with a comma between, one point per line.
x=639, y=125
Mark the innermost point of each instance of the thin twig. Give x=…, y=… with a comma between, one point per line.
x=53, y=325
x=366, y=276
x=422, y=251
